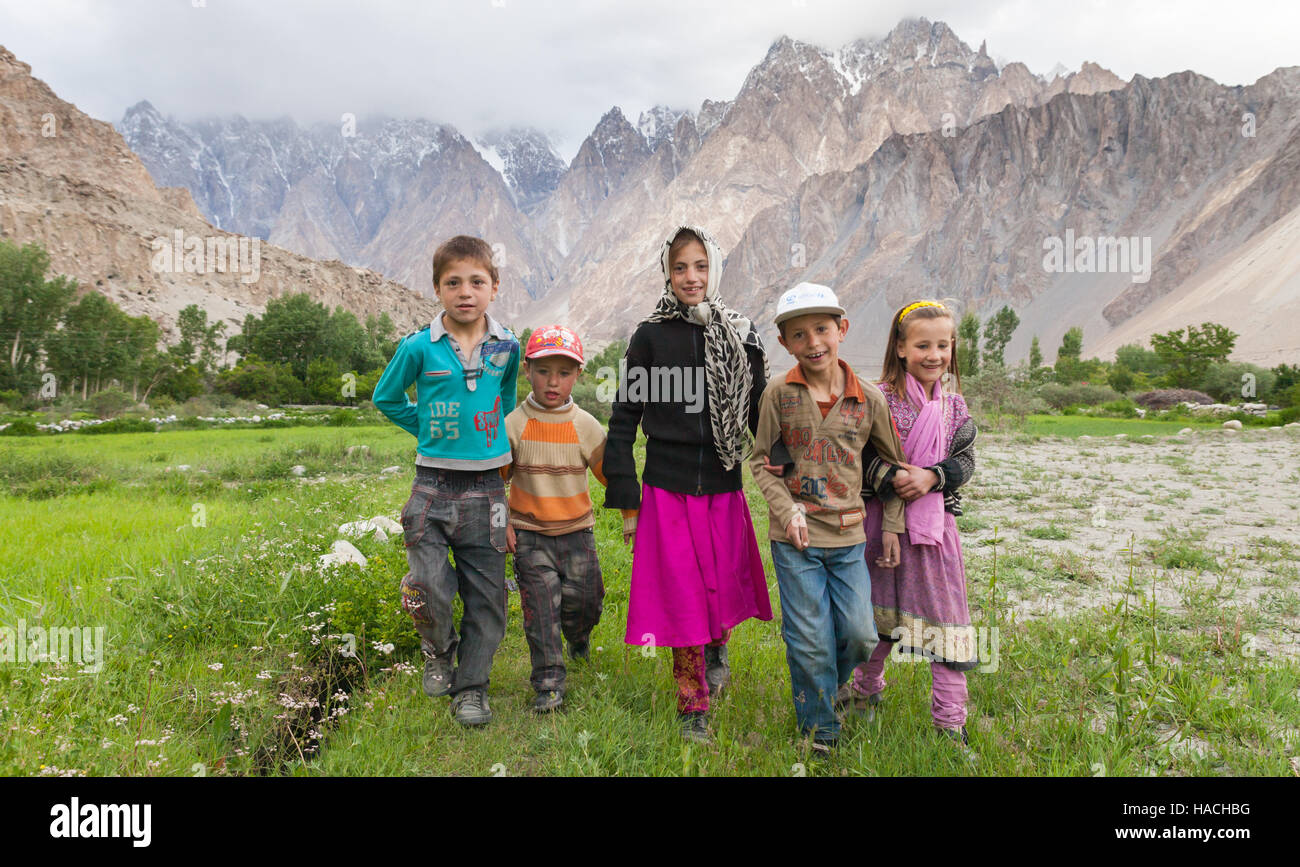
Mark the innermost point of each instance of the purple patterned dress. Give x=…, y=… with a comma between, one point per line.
x=922, y=601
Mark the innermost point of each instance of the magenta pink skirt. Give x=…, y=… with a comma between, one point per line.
x=696, y=569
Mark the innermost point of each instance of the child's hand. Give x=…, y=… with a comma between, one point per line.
x=797, y=530
x=911, y=482
x=629, y=536
x=510, y=538
x=774, y=469
x=889, y=557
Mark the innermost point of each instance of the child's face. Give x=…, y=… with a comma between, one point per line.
x=552, y=379
x=814, y=341
x=926, y=349
x=465, y=289
x=688, y=272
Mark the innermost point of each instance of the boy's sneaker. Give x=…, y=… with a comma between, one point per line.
x=580, y=650
x=471, y=707
x=695, y=727
x=547, y=701
x=437, y=675
x=717, y=673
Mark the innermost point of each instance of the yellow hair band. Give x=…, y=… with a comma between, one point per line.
x=909, y=308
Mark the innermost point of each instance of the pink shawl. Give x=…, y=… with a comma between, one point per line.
x=924, y=447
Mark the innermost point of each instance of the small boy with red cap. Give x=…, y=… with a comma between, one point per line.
x=553, y=443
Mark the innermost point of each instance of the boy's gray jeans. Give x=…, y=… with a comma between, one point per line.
x=462, y=512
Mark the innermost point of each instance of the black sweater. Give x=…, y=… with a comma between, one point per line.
x=680, y=453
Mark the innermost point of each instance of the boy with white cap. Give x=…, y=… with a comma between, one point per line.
x=817, y=418
x=553, y=442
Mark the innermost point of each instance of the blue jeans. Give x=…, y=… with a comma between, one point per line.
x=828, y=625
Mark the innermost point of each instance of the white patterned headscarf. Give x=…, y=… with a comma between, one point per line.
x=726, y=334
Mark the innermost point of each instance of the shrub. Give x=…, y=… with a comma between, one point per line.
x=120, y=425
x=324, y=383
x=1059, y=396
x=343, y=418
x=24, y=427
x=1122, y=408
x=1231, y=383
x=584, y=395
x=161, y=403
x=263, y=381
x=1166, y=398
x=109, y=402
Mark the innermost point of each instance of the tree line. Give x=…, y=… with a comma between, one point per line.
x=53, y=343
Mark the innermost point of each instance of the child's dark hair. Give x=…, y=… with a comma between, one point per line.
x=681, y=239
x=893, y=371
x=781, y=328
x=460, y=248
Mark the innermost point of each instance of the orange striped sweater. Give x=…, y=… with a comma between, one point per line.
x=552, y=451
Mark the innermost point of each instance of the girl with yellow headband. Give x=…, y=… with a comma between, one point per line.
x=920, y=601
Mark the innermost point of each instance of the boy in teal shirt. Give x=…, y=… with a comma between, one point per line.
x=464, y=368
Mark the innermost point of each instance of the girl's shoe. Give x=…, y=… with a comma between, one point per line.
x=850, y=703
x=695, y=727
x=961, y=742
x=957, y=735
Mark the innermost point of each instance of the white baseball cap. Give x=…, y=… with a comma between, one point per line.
x=807, y=298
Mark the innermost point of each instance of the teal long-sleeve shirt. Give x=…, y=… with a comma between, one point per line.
x=458, y=418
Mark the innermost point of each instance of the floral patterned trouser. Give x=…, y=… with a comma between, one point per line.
x=688, y=671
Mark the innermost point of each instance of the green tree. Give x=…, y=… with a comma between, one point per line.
x=968, y=337
x=94, y=345
x=1069, y=369
x=181, y=383
x=1189, y=352
x=30, y=309
x=997, y=334
x=294, y=331
x=199, y=340
x=324, y=384
x=1139, y=359
x=1238, y=382
x=264, y=381
x=1285, y=376
x=381, y=341
x=145, y=365
x=1120, y=378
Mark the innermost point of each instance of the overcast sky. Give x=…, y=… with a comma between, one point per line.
x=560, y=65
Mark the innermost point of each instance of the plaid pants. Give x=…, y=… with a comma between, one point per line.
x=561, y=592
x=453, y=512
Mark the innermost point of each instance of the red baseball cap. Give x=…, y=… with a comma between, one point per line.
x=554, y=340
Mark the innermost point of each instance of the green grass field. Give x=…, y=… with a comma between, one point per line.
x=224, y=644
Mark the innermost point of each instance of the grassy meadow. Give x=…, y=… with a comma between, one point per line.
x=228, y=648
